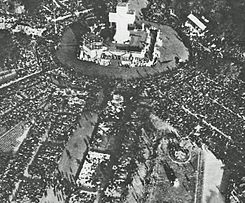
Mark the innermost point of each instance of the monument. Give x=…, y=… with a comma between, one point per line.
x=123, y=17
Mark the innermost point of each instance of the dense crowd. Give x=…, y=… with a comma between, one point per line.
x=203, y=108
x=186, y=98
x=206, y=102
x=41, y=109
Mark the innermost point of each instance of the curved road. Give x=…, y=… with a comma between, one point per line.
x=172, y=46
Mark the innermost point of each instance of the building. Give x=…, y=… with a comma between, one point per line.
x=196, y=26
x=92, y=47
x=133, y=52
x=133, y=46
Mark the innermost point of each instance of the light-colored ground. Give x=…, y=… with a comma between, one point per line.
x=137, y=5
x=159, y=189
x=51, y=197
x=213, y=173
x=161, y=125
x=22, y=137
x=77, y=145
x=11, y=140
x=136, y=189
x=171, y=45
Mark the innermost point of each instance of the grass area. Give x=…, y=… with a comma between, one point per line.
x=212, y=177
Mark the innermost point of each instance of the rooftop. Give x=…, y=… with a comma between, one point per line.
x=195, y=20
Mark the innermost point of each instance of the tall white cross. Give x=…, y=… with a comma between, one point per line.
x=122, y=18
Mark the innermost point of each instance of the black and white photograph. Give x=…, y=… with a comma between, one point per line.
x=122, y=101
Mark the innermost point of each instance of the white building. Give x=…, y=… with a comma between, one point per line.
x=123, y=17
x=92, y=47
x=133, y=45
x=196, y=26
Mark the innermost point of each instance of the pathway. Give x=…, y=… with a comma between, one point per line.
x=77, y=145
x=17, y=185
x=19, y=79
x=172, y=47
x=205, y=122
x=212, y=177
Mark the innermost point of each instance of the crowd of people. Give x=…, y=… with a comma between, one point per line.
x=200, y=100
x=41, y=105
x=204, y=108
x=187, y=97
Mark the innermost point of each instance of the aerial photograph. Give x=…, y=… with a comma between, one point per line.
x=122, y=101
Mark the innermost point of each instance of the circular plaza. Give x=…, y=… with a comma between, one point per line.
x=172, y=47
x=131, y=48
